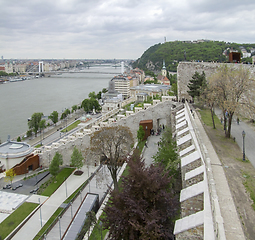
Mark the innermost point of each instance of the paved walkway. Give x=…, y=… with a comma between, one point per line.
x=236, y=132
x=232, y=225
x=50, y=205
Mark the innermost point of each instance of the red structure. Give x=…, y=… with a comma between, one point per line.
x=147, y=126
x=30, y=162
x=235, y=57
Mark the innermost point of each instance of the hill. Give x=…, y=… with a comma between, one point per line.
x=176, y=51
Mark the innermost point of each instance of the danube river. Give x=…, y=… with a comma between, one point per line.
x=19, y=100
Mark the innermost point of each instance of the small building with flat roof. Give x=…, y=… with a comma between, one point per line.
x=17, y=155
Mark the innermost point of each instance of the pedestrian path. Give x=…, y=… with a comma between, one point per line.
x=151, y=150
x=50, y=205
x=99, y=184
x=236, y=132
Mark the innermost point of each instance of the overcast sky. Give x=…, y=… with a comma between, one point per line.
x=117, y=28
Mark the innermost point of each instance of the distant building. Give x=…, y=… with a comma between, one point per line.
x=151, y=90
x=122, y=85
x=163, y=70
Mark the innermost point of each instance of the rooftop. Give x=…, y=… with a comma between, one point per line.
x=12, y=149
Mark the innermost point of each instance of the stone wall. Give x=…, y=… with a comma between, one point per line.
x=186, y=70
x=159, y=113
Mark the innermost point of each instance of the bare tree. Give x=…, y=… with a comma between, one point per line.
x=112, y=145
x=232, y=89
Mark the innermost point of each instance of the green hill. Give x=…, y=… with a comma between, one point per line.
x=174, y=52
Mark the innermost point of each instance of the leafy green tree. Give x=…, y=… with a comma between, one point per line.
x=104, y=90
x=89, y=104
x=140, y=134
x=197, y=84
x=174, y=89
x=74, y=108
x=92, y=95
x=167, y=155
x=77, y=158
x=146, y=206
x=98, y=96
x=54, y=117
x=33, y=124
x=55, y=163
x=18, y=139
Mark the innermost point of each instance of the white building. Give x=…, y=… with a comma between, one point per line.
x=122, y=85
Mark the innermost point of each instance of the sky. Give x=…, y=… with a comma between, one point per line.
x=120, y=29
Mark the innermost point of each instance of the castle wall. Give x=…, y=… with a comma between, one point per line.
x=186, y=70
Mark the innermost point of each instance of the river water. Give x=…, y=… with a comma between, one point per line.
x=19, y=100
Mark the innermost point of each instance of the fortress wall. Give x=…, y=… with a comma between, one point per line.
x=186, y=70
x=160, y=113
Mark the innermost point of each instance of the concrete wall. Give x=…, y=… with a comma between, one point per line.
x=186, y=70
x=160, y=114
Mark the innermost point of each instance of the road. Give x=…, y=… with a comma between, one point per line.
x=236, y=132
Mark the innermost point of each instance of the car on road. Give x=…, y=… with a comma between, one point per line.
x=8, y=186
x=18, y=186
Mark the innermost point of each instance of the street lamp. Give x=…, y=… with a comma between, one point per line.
x=243, y=134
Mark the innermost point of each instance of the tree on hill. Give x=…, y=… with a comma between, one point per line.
x=77, y=158
x=146, y=206
x=173, y=53
x=55, y=163
x=112, y=145
x=33, y=123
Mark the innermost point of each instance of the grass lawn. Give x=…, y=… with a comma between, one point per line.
x=72, y=126
x=48, y=223
x=55, y=183
x=11, y=222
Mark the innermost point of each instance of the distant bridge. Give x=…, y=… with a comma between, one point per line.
x=60, y=72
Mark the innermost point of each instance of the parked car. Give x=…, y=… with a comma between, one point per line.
x=18, y=186
x=8, y=186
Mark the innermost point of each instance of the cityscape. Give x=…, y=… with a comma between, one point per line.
x=127, y=120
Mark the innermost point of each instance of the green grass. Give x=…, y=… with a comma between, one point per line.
x=48, y=223
x=72, y=126
x=96, y=233
x=249, y=184
x=55, y=183
x=11, y=222
x=207, y=118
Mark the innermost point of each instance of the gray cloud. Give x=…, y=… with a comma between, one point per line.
x=116, y=28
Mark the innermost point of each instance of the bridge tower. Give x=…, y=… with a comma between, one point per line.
x=40, y=67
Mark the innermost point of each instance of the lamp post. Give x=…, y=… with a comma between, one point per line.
x=243, y=134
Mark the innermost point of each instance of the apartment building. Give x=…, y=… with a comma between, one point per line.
x=122, y=85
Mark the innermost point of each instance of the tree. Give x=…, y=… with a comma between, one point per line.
x=34, y=122
x=54, y=117
x=175, y=90
x=140, y=134
x=10, y=175
x=167, y=155
x=233, y=91
x=74, y=108
x=112, y=145
x=92, y=95
x=77, y=158
x=18, y=139
x=54, y=165
x=104, y=90
x=42, y=125
x=146, y=206
x=196, y=85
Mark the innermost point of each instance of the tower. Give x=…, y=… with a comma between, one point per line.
x=163, y=70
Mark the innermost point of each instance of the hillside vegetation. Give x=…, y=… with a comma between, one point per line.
x=174, y=52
